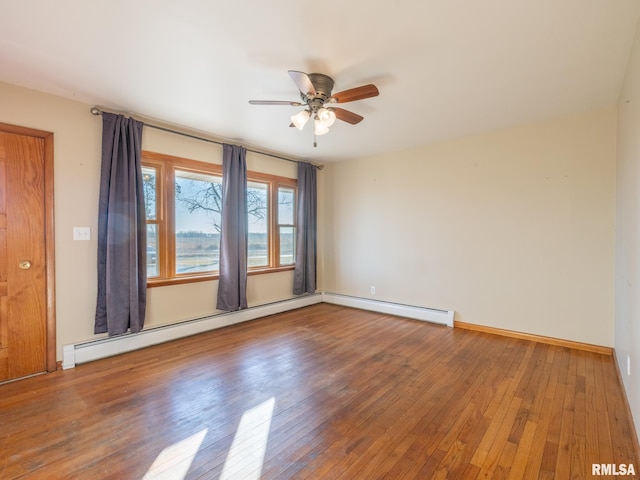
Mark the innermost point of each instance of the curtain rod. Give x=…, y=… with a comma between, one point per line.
x=97, y=111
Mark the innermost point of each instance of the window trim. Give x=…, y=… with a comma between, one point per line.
x=278, y=225
x=165, y=216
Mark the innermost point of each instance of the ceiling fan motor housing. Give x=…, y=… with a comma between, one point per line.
x=323, y=85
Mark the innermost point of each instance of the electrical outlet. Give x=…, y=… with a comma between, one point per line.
x=373, y=290
x=628, y=365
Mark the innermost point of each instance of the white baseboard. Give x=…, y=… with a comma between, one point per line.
x=444, y=317
x=79, y=353
x=86, y=352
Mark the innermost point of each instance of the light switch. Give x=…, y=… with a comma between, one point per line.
x=81, y=233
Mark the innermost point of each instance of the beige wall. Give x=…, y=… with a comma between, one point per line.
x=627, y=323
x=513, y=229
x=77, y=139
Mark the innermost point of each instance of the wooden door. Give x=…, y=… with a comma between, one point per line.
x=25, y=235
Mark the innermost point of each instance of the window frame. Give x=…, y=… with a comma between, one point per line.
x=166, y=166
x=278, y=225
x=273, y=186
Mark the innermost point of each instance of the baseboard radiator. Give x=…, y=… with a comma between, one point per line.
x=444, y=317
x=79, y=353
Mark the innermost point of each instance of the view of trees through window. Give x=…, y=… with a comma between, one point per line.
x=198, y=204
x=197, y=211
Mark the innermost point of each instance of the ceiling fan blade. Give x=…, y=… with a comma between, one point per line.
x=303, y=82
x=353, y=94
x=347, y=116
x=275, y=102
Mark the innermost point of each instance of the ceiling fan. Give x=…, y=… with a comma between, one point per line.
x=315, y=92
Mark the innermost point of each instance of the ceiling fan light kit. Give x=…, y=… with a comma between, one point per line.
x=319, y=128
x=327, y=116
x=315, y=92
x=300, y=119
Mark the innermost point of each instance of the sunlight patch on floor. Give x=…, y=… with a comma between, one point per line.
x=246, y=455
x=174, y=462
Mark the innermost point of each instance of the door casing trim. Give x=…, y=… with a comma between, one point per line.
x=49, y=233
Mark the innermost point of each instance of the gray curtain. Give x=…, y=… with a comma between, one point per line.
x=304, y=276
x=122, y=229
x=232, y=285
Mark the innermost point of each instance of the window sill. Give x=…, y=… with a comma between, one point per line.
x=263, y=270
x=163, y=282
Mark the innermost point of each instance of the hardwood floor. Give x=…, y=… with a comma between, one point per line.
x=324, y=392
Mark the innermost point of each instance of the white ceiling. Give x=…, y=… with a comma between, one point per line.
x=444, y=68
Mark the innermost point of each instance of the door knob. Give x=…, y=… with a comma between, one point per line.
x=25, y=265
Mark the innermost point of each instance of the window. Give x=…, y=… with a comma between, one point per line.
x=286, y=225
x=183, y=204
x=258, y=241
x=197, y=207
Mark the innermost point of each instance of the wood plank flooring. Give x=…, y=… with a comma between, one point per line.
x=324, y=392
